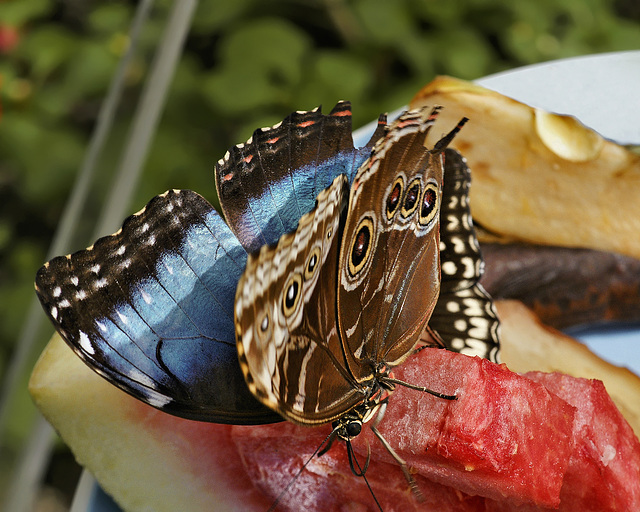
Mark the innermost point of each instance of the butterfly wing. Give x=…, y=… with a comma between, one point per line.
x=289, y=347
x=267, y=184
x=151, y=309
x=464, y=319
x=389, y=277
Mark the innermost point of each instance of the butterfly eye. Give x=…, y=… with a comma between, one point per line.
x=393, y=199
x=354, y=428
x=411, y=198
x=361, y=246
x=429, y=204
x=312, y=263
x=291, y=295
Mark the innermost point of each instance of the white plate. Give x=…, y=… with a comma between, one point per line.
x=601, y=91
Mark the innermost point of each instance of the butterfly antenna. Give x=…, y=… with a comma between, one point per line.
x=352, y=457
x=319, y=451
x=441, y=145
x=361, y=471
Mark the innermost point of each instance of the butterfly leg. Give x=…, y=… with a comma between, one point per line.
x=420, y=388
x=403, y=465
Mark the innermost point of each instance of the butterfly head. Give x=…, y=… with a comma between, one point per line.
x=349, y=426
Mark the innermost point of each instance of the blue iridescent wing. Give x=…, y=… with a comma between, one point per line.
x=151, y=309
x=464, y=319
x=268, y=183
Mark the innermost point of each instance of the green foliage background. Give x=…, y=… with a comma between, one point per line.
x=246, y=64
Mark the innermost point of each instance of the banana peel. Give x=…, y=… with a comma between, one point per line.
x=565, y=287
x=540, y=177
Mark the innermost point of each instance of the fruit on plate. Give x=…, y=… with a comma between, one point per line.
x=149, y=460
x=560, y=182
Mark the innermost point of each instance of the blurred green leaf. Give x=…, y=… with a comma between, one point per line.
x=267, y=45
x=211, y=16
x=47, y=49
x=18, y=13
x=436, y=12
x=90, y=71
x=110, y=18
x=342, y=75
x=465, y=54
x=385, y=22
x=420, y=53
x=262, y=61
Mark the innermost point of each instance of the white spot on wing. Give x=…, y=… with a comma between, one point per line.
x=469, y=268
x=123, y=318
x=85, y=343
x=146, y=297
x=459, y=246
x=158, y=401
x=57, y=291
x=154, y=399
x=453, y=307
x=449, y=268
x=460, y=325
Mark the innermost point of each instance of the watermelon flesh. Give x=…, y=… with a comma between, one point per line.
x=509, y=442
x=604, y=469
x=274, y=456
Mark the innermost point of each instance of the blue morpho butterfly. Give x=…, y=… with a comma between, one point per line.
x=343, y=276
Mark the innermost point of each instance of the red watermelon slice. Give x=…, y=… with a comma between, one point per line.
x=492, y=442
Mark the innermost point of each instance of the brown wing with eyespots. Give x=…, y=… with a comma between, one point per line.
x=389, y=278
x=289, y=348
